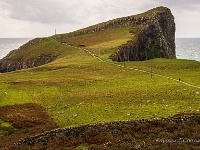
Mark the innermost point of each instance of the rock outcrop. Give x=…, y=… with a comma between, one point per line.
x=22, y=58
x=12, y=65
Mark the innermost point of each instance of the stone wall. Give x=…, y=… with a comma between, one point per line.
x=83, y=132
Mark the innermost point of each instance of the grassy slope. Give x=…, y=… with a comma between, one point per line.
x=78, y=89
x=36, y=48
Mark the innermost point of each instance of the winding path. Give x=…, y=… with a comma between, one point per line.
x=140, y=70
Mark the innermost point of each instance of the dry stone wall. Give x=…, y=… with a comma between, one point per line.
x=83, y=132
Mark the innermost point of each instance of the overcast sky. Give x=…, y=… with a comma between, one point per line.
x=37, y=18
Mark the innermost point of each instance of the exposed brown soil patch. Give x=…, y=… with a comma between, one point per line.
x=29, y=119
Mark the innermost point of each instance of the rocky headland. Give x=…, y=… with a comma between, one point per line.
x=154, y=38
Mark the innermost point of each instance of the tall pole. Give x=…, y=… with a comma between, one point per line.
x=55, y=31
x=99, y=51
x=124, y=59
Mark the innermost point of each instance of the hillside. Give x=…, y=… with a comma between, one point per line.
x=133, y=38
x=74, y=80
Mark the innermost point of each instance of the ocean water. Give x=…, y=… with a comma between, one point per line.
x=186, y=48
x=8, y=44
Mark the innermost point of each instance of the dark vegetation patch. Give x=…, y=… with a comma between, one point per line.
x=21, y=121
x=178, y=132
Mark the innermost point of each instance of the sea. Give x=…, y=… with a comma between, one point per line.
x=9, y=44
x=186, y=48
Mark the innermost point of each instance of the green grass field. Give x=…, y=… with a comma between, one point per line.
x=77, y=89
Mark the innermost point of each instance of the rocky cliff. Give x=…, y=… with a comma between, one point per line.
x=156, y=39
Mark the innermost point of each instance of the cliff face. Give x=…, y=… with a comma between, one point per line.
x=156, y=39
x=7, y=65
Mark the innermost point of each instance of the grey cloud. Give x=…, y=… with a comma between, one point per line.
x=62, y=11
x=182, y=3
x=75, y=14
x=46, y=11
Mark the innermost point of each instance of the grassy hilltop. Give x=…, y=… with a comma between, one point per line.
x=83, y=86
